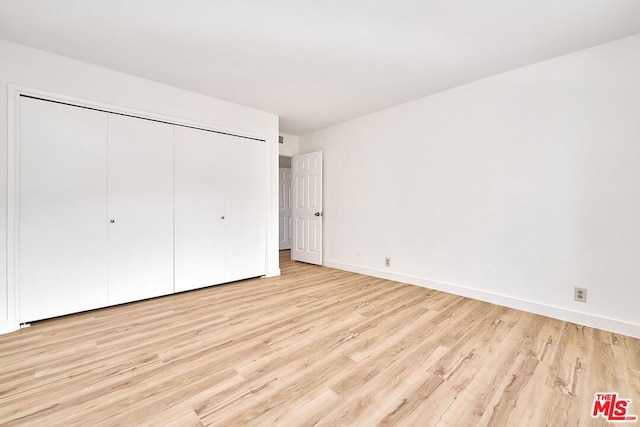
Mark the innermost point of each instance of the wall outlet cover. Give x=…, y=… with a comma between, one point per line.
x=580, y=294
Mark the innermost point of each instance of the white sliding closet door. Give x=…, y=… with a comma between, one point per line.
x=63, y=209
x=200, y=208
x=140, y=209
x=245, y=217
x=111, y=206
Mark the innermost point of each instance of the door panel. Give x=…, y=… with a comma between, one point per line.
x=312, y=193
x=284, y=210
x=312, y=232
x=200, y=208
x=63, y=209
x=307, y=210
x=245, y=208
x=141, y=206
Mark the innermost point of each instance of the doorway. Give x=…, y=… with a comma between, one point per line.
x=284, y=203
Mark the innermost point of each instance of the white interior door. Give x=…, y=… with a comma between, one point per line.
x=140, y=209
x=307, y=207
x=245, y=208
x=63, y=209
x=284, y=212
x=200, y=208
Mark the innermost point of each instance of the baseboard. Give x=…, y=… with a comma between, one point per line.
x=7, y=327
x=273, y=272
x=581, y=318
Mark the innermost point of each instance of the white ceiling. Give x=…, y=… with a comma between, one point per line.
x=315, y=63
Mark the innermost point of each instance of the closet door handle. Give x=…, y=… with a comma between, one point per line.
x=112, y=221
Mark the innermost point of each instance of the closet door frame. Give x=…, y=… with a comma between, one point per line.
x=9, y=321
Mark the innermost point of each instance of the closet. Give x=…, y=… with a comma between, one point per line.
x=114, y=208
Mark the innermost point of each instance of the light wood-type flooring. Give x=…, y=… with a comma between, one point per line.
x=316, y=346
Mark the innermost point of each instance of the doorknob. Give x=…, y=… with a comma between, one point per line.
x=318, y=214
x=112, y=221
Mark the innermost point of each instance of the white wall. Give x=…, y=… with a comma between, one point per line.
x=513, y=189
x=36, y=69
x=291, y=145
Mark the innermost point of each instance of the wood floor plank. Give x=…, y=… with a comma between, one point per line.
x=315, y=346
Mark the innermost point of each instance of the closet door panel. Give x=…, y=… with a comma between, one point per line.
x=63, y=209
x=199, y=208
x=140, y=209
x=245, y=218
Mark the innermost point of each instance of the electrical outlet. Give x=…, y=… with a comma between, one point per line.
x=580, y=294
x=387, y=262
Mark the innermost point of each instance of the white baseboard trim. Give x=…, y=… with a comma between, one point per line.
x=273, y=273
x=561, y=313
x=7, y=327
